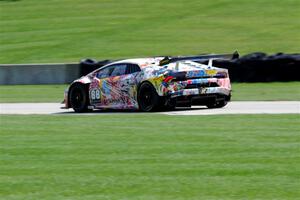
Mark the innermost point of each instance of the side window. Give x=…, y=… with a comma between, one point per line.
x=119, y=70
x=132, y=68
x=106, y=72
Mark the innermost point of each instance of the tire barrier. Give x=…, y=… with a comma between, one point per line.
x=88, y=65
x=260, y=67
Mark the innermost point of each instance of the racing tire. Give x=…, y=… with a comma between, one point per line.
x=148, y=98
x=79, y=99
x=167, y=104
x=217, y=104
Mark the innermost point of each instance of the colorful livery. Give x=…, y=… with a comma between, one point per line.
x=149, y=84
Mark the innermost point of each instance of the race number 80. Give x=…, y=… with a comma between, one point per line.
x=95, y=94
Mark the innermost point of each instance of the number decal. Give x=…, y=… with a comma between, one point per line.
x=95, y=94
x=98, y=94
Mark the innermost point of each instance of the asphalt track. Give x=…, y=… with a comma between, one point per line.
x=235, y=107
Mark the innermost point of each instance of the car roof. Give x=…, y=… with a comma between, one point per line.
x=142, y=62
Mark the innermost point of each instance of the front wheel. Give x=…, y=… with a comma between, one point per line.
x=148, y=98
x=79, y=98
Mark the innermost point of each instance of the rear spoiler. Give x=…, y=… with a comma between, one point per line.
x=199, y=58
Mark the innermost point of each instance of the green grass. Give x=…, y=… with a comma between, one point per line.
x=149, y=157
x=34, y=31
x=241, y=92
x=275, y=91
x=32, y=93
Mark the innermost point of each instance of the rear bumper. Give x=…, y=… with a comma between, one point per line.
x=200, y=86
x=202, y=99
x=201, y=91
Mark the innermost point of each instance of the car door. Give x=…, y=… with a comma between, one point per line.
x=98, y=90
x=128, y=87
x=114, y=87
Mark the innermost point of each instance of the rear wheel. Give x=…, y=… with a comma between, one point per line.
x=217, y=104
x=79, y=98
x=167, y=104
x=148, y=98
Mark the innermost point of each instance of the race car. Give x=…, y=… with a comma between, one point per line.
x=150, y=84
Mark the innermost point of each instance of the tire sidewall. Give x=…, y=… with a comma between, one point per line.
x=218, y=104
x=154, y=97
x=84, y=104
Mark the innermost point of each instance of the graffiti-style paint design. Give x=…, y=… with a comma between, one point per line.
x=182, y=78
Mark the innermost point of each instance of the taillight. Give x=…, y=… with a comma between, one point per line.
x=174, y=76
x=168, y=79
x=222, y=75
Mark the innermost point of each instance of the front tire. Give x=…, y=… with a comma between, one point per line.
x=148, y=98
x=79, y=98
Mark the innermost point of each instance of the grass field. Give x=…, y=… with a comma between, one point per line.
x=241, y=92
x=266, y=91
x=149, y=157
x=34, y=31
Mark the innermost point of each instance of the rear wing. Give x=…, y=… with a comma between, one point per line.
x=200, y=58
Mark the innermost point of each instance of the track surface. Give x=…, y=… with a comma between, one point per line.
x=236, y=107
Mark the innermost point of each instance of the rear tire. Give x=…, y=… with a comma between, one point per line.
x=148, y=98
x=79, y=98
x=167, y=104
x=217, y=104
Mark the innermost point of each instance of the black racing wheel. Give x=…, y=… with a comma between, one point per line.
x=217, y=104
x=148, y=98
x=167, y=104
x=78, y=97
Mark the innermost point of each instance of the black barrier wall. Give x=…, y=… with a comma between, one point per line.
x=259, y=67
